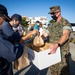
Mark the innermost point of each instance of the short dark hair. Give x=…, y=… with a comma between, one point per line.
x=37, y=22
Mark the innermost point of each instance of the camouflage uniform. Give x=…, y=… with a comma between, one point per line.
x=56, y=31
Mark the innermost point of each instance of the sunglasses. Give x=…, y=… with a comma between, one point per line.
x=54, y=13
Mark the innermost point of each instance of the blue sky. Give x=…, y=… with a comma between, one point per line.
x=36, y=8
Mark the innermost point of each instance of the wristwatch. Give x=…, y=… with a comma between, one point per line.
x=58, y=44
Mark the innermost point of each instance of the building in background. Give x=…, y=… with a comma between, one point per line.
x=32, y=20
x=42, y=19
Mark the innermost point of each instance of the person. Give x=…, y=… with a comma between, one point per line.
x=8, y=32
x=44, y=32
x=4, y=64
x=41, y=29
x=59, y=30
x=22, y=61
x=36, y=26
x=20, y=29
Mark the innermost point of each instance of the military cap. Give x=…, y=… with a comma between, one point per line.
x=54, y=9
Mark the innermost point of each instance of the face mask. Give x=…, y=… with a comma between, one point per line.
x=15, y=27
x=54, y=17
x=38, y=24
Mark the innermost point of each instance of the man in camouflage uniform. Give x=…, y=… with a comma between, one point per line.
x=60, y=30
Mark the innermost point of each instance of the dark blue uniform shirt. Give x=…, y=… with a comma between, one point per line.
x=10, y=34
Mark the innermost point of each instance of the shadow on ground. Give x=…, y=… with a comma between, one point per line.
x=31, y=70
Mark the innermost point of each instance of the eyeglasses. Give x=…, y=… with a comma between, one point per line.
x=54, y=13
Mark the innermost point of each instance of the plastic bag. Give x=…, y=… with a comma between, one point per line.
x=38, y=41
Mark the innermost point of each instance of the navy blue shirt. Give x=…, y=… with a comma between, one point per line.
x=10, y=34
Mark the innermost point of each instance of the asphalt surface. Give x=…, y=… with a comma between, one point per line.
x=31, y=70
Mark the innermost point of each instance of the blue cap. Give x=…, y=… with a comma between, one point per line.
x=18, y=17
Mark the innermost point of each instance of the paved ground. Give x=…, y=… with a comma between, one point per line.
x=31, y=70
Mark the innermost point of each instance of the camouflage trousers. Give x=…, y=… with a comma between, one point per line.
x=61, y=68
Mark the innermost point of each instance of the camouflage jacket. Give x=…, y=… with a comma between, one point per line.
x=56, y=31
